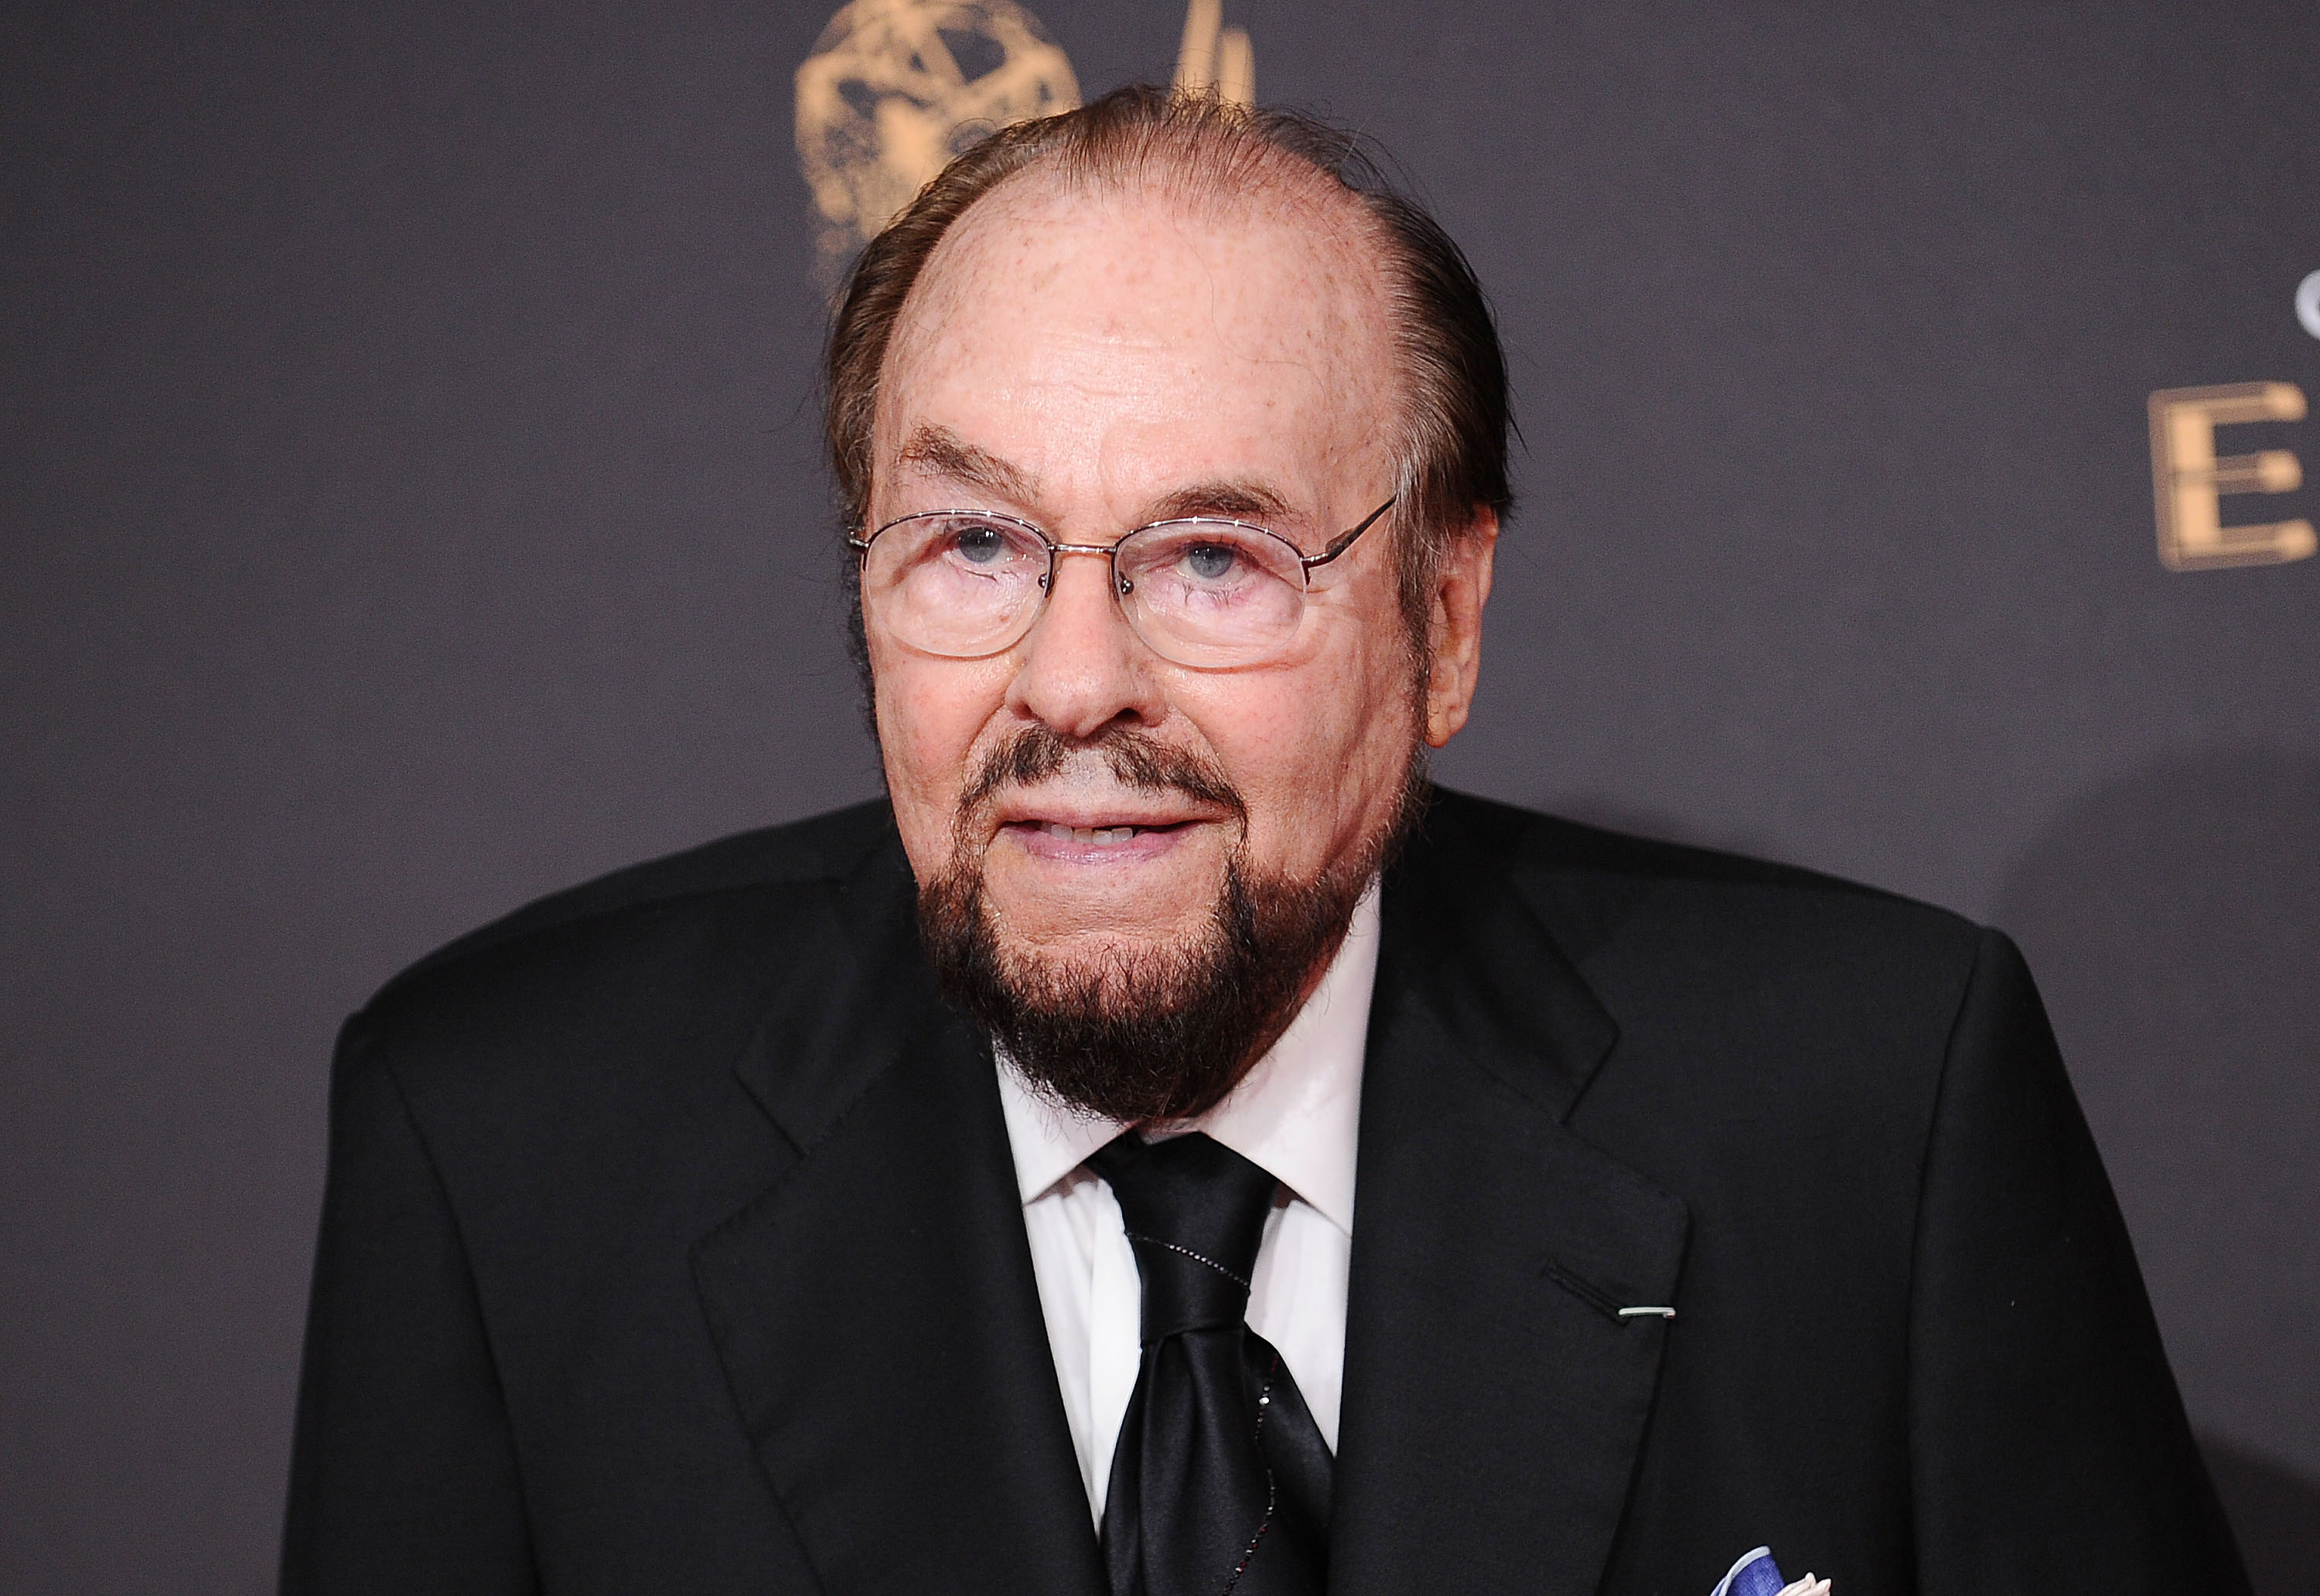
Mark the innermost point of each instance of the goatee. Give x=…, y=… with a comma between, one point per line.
x=1145, y=1033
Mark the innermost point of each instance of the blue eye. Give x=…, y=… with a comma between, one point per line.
x=1211, y=562
x=981, y=545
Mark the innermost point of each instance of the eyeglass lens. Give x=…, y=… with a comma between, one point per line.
x=1199, y=592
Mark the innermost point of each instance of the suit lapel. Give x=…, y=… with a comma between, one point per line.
x=1494, y=1400
x=876, y=1311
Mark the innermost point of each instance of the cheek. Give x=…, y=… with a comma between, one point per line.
x=1317, y=751
x=930, y=713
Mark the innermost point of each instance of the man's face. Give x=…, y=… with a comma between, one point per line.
x=1092, y=363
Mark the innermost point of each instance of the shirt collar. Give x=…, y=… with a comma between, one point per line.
x=1297, y=1114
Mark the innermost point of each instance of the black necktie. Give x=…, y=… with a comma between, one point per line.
x=1220, y=1479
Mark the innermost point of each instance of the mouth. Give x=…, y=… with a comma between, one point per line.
x=1093, y=835
x=1112, y=836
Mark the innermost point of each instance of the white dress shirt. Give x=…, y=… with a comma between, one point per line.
x=1296, y=1115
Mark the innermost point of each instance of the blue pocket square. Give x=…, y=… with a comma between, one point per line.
x=1755, y=1575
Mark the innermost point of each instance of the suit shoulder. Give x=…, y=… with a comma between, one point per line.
x=1598, y=882
x=823, y=848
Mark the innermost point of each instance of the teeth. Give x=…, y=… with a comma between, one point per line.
x=1100, y=835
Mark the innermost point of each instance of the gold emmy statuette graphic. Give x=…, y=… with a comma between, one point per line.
x=2188, y=476
x=1214, y=58
x=894, y=89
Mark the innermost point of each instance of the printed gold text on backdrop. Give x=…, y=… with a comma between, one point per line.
x=894, y=89
x=2188, y=476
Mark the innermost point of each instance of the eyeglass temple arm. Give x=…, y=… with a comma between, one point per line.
x=1344, y=541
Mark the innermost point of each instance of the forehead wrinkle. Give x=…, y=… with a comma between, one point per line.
x=1344, y=312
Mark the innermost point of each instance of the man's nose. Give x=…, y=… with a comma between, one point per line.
x=1083, y=666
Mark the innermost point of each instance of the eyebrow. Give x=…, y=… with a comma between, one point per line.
x=944, y=453
x=1234, y=499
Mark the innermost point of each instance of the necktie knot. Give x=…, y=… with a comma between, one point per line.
x=1195, y=1212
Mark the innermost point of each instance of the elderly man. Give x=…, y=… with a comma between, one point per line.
x=1167, y=1147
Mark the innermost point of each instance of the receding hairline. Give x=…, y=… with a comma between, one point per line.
x=1214, y=166
x=1351, y=244
x=1290, y=192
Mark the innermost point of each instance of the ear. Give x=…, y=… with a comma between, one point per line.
x=1453, y=641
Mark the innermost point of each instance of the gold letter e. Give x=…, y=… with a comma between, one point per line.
x=2186, y=476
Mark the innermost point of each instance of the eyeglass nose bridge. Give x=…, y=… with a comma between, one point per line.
x=1120, y=586
x=1111, y=552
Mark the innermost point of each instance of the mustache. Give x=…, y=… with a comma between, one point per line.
x=1136, y=760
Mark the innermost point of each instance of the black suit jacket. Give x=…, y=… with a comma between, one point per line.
x=672, y=1244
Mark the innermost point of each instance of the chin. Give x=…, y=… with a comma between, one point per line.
x=1069, y=910
x=1085, y=939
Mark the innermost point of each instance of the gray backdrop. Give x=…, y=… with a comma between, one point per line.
x=412, y=506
